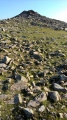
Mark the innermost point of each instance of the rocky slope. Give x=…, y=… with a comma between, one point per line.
x=37, y=19
x=33, y=68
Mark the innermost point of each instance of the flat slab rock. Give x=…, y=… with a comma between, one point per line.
x=37, y=100
x=33, y=103
x=3, y=96
x=19, y=86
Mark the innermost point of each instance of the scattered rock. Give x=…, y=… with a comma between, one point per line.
x=2, y=65
x=41, y=97
x=17, y=99
x=19, y=86
x=65, y=115
x=33, y=103
x=61, y=115
x=19, y=77
x=28, y=112
x=6, y=60
x=64, y=96
x=57, y=87
x=54, y=95
x=3, y=96
x=41, y=109
x=63, y=77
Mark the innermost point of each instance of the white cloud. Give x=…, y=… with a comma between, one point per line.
x=61, y=15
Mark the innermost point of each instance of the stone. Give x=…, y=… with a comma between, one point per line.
x=54, y=95
x=17, y=99
x=5, y=87
x=6, y=60
x=28, y=112
x=41, y=83
x=1, y=36
x=33, y=84
x=19, y=86
x=37, y=100
x=42, y=108
x=65, y=29
x=36, y=89
x=41, y=74
x=2, y=65
x=61, y=115
x=33, y=103
x=64, y=96
x=19, y=77
x=57, y=87
x=37, y=56
x=41, y=97
x=3, y=96
x=65, y=115
x=46, y=89
x=63, y=77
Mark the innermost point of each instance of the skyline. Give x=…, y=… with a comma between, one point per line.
x=55, y=9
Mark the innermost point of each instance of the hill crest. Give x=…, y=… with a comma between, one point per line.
x=35, y=18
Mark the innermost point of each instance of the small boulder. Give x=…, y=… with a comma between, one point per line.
x=41, y=97
x=54, y=95
x=6, y=60
x=19, y=77
x=17, y=99
x=42, y=108
x=28, y=112
x=33, y=103
x=57, y=87
x=20, y=85
x=63, y=77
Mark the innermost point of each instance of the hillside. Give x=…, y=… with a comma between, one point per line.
x=33, y=68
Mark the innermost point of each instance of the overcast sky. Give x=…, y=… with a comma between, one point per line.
x=56, y=9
